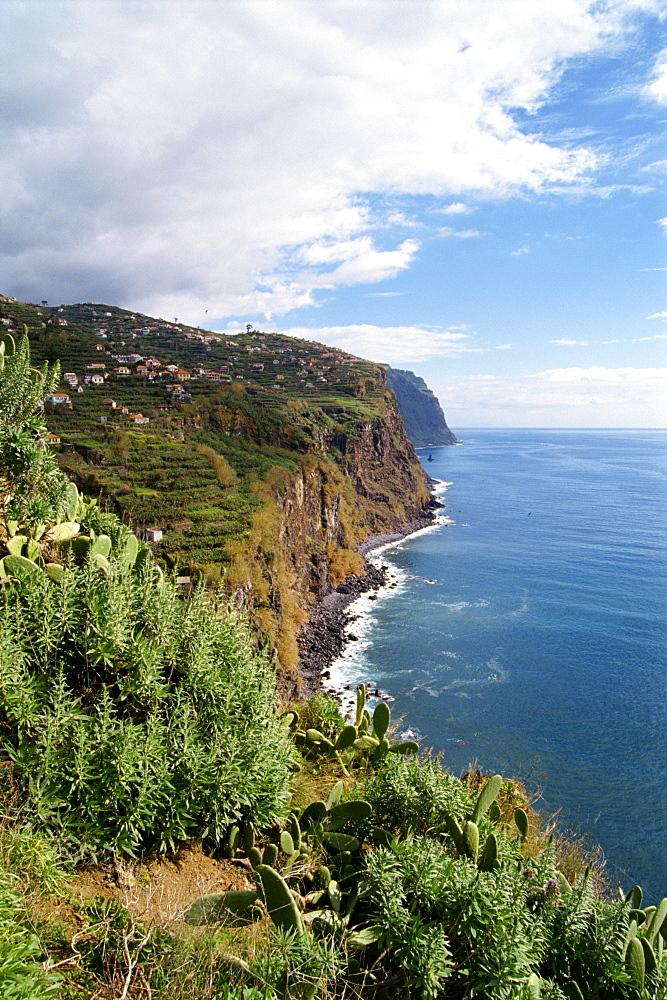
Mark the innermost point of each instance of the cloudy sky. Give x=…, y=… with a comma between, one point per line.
x=473, y=190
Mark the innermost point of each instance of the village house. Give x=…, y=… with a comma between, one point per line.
x=138, y=418
x=122, y=370
x=150, y=535
x=98, y=366
x=152, y=362
x=57, y=397
x=181, y=375
x=141, y=370
x=110, y=402
x=71, y=378
x=52, y=438
x=99, y=347
x=97, y=379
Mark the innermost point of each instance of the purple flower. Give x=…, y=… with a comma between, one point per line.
x=41, y=442
x=552, y=889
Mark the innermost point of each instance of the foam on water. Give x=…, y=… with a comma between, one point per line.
x=526, y=629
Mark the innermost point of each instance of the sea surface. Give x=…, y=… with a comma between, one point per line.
x=526, y=632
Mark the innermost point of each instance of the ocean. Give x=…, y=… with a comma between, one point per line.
x=525, y=632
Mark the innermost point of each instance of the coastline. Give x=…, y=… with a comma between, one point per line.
x=324, y=638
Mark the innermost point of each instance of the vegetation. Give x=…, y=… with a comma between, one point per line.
x=263, y=462
x=138, y=725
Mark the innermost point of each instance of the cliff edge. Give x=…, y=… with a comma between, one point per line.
x=422, y=414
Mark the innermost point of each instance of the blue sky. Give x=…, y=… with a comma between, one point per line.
x=474, y=191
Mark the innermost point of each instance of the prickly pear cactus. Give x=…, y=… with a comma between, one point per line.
x=361, y=704
x=521, y=820
x=381, y=720
x=218, y=906
x=280, y=901
x=487, y=795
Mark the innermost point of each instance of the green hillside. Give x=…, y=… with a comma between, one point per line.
x=215, y=441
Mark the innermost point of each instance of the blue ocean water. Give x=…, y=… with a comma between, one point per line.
x=528, y=634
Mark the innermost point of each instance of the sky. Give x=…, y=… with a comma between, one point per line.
x=474, y=191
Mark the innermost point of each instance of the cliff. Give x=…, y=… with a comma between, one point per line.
x=262, y=461
x=422, y=414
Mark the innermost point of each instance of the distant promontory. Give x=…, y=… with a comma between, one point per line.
x=422, y=414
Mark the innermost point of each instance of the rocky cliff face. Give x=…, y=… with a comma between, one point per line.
x=422, y=414
x=304, y=542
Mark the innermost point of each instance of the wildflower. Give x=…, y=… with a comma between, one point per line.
x=552, y=889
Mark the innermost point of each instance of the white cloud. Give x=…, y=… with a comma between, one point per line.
x=366, y=266
x=657, y=88
x=663, y=223
x=659, y=315
x=456, y=208
x=459, y=234
x=598, y=374
x=656, y=336
x=658, y=167
x=504, y=347
x=521, y=251
x=566, y=342
x=390, y=344
x=185, y=156
x=561, y=397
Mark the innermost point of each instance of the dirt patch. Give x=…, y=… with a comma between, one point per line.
x=159, y=891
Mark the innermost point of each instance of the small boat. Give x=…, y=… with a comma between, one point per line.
x=430, y=458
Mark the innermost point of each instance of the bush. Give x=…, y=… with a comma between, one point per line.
x=21, y=976
x=411, y=796
x=136, y=720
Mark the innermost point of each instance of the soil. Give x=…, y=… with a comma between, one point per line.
x=159, y=891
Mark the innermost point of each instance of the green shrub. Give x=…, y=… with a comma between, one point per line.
x=21, y=976
x=136, y=720
x=411, y=796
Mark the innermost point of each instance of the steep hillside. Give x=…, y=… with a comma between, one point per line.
x=262, y=460
x=422, y=414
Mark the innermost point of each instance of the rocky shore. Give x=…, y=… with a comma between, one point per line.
x=325, y=635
